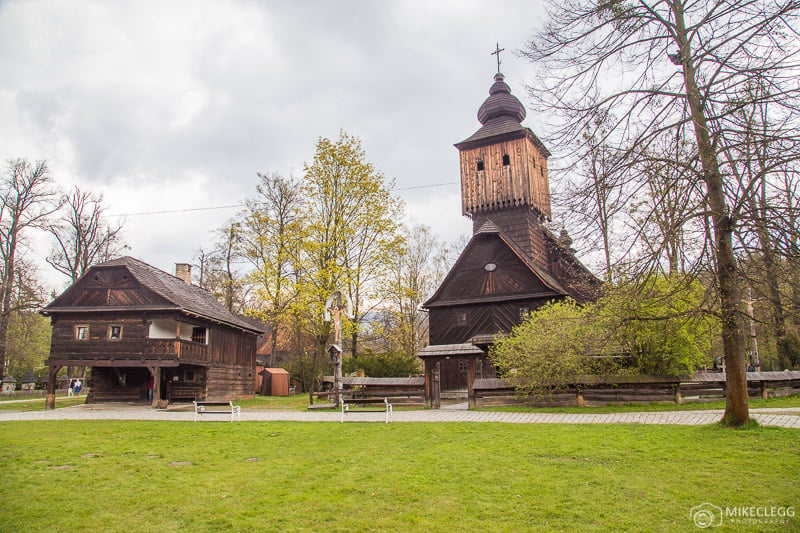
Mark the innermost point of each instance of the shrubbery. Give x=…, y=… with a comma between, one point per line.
x=659, y=327
x=383, y=365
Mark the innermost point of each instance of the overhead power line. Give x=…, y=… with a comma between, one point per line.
x=217, y=207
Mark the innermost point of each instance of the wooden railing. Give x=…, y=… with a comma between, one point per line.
x=181, y=348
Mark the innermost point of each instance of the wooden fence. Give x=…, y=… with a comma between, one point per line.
x=596, y=391
x=405, y=391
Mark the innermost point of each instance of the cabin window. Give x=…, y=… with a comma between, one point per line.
x=506, y=160
x=82, y=333
x=480, y=165
x=462, y=365
x=523, y=312
x=199, y=335
x=461, y=318
x=189, y=375
x=114, y=333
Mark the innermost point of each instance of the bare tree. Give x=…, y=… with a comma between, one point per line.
x=658, y=65
x=27, y=199
x=593, y=196
x=414, y=278
x=82, y=237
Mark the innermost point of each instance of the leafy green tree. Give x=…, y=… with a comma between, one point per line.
x=272, y=226
x=28, y=343
x=352, y=231
x=661, y=324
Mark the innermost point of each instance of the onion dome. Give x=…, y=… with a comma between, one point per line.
x=501, y=103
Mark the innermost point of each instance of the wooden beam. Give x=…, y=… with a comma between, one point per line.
x=50, y=401
x=155, y=372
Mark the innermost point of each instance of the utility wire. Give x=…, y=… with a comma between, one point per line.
x=213, y=208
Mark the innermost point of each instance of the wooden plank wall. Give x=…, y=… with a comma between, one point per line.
x=482, y=319
x=523, y=227
x=229, y=382
x=63, y=343
x=523, y=182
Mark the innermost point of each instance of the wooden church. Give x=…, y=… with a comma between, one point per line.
x=512, y=264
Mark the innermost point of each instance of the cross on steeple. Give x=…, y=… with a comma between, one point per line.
x=496, y=52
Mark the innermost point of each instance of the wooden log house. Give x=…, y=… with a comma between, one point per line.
x=513, y=263
x=130, y=321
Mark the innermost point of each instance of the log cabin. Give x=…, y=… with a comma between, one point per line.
x=513, y=264
x=132, y=323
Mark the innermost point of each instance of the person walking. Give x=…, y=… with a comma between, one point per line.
x=150, y=386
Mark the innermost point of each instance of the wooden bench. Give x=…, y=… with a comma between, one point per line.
x=348, y=403
x=216, y=408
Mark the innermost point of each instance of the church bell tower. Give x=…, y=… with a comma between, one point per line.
x=503, y=164
x=504, y=174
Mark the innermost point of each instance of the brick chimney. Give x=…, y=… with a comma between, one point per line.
x=184, y=272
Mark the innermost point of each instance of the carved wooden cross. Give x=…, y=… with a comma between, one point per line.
x=496, y=52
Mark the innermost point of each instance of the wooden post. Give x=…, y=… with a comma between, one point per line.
x=579, y=398
x=156, y=373
x=428, y=384
x=764, y=393
x=471, y=384
x=437, y=383
x=678, y=397
x=50, y=400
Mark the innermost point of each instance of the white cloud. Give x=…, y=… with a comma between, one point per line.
x=177, y=104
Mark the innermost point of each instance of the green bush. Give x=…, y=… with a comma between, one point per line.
x=383, y=365
x=654, y=327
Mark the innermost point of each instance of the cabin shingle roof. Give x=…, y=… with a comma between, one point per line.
x=187, y=298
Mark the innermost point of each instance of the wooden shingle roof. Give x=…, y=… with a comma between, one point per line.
x=179, y=295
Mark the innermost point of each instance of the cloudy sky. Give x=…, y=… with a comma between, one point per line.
x=170, y=108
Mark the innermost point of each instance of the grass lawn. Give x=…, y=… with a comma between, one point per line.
x=295, y=402
x=175, y=476
x=37, y=404
x=755, y=403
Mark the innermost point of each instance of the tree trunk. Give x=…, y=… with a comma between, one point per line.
x=736, y=406
x=273, y=356
x=7, y=290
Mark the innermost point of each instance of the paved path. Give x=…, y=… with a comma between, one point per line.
x=789, y=418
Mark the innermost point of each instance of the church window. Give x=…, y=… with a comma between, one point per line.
x=480, y=165
x=506, y=160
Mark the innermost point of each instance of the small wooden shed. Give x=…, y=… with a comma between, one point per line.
x=274, y=382
x=9, y=384
x=28, y=381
